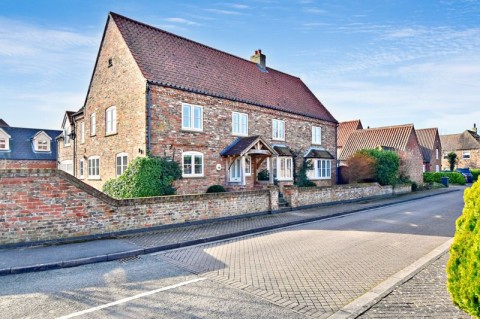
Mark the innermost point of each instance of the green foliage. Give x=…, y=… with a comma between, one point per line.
x=475, y=173
x=263, y=175
x=387, y=164
x=453, y=177
x=216, y=189
x=452, y=160
x=302, y=179
x=144, y=177
x=463, y=268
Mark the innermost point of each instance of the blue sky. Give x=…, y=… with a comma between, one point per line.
x=386, y=62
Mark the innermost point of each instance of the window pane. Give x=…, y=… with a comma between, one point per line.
x=187, y=164
x=186, y=116
x=244, y=128
x=197, y=117
x=198, y=165
x=235, y=123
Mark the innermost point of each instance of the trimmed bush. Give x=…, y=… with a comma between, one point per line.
x=463, y=268
x=263, y=175
x=216, y=189
x=386, y=166
x=475, y=173
x=144, y=177
x=453, y=177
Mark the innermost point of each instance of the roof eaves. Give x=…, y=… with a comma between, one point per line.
x=191, y=90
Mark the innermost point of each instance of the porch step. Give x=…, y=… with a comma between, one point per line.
x=282, y=203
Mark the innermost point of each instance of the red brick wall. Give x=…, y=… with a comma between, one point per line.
x=434, y=161
x=27, y=164
x=414, y=159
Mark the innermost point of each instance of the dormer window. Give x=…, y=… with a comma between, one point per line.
x=4, y=141
x=42, y=142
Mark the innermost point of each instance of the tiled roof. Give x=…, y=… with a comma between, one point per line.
x=313, y=153
x=21, y=145
x=467, y=140
x=283, y=150
x=389, y=137
x=241, y=145
x=345, y=129
x=173, y=61
x=426, y=139
x=3, y=123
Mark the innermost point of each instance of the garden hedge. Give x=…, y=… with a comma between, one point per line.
x=475, y=173
x=436, y=177
x=463, y=268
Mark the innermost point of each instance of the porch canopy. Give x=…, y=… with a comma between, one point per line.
x=317, y=153
x=254, y=147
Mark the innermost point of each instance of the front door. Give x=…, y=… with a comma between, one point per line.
x=235, y=170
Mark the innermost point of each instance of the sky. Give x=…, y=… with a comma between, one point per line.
x=386, y=62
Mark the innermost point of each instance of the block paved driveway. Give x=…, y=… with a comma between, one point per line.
x=315, y=269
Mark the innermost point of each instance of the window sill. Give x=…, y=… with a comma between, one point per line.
x=110, y=134
x=319, y=178
x=285, y=180
x=193, y=177
x=239, y=134
x=191, y=130
x=278, y=139
x=93, y=178
x=316, y=144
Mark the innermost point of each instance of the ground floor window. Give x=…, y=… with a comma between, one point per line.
x=81, y=167
x=437, y=168
x=94, y=167
x=121, y=163
x=66, y=166
x=321, y=169
x=192, y=164
x=283, y=168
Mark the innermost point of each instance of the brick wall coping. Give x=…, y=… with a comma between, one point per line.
x=15, y=173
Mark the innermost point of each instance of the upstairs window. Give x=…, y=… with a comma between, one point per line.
x=278, y=130
x=41, y=142
x=192, y=117
x=192, y=164
x=111, y=120
x=82, y=132
x=66, y=135
x=121, y=163
x=3, y=144
x=466, y=154
x=93, y=124
x=316, y=135
x=436, y=153
x=43, y=146
x=239, y=123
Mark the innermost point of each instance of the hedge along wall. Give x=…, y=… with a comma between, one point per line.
x=311, y=196
x=41, y=205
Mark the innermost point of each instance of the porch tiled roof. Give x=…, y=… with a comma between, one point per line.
x=319, y=154
x=173, y=61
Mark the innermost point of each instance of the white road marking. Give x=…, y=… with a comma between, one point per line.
x=148, y=293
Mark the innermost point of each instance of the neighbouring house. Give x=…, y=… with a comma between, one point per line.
x=401, y=138
x=344, y=131
x=467, y=147
x=431, y=147
x=22, y=148
x=221, y=117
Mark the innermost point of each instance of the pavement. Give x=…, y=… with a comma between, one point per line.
x=39, y=258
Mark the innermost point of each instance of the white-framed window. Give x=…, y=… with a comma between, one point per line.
x=111, y=120
x=82, y=132
x=445, y=154
x=67, y=166
x=66, y=135
x=436, y=153
x=437, y=168
x=283, y=168
x=3, y=144
x=42, y=145
x=321, y=169
x=236, y=168
x=81, y=168
x=94, y=167
x=278, y=130
x=466, y=154
x=192, y=164
x=121, y=163
x=93, y=124
x=316, y=135
x=239, y=123
x=192, y=117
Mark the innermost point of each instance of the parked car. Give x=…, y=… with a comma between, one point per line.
x=466, y=174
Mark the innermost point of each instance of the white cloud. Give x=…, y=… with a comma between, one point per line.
x=182, y=21
x=225, y=12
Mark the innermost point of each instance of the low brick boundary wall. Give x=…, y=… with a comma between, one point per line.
x=43, y=205
x=314, y=196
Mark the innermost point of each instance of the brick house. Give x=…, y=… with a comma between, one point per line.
x=222, y=118
x=467, y=147
x=22, y=148
x=344, y=130
x=431, y=147
x=401, y=138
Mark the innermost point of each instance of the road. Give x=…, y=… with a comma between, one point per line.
x=306, y=271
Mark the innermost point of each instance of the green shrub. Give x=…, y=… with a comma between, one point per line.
x=386, y=167
x=263, y=175
x=216, y=189
x=463, y=268
x=302, y=178
x=453, y=177
x=414, y=186
x=145, y=176
x=475, y=173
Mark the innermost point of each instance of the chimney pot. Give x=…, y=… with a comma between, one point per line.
x=259, y=58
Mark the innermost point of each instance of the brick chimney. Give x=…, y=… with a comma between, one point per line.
x=474, y=129
x=259, y=58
